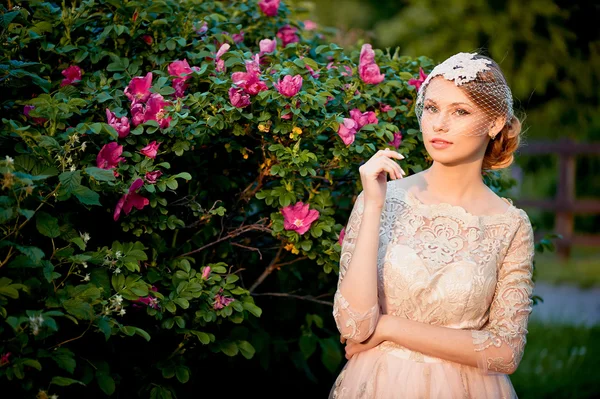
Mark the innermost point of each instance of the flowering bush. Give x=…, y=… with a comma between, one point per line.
x=164, y=164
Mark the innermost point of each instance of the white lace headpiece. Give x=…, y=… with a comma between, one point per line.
x=487, y=87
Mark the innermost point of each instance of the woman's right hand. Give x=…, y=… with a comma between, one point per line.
x=373, y=175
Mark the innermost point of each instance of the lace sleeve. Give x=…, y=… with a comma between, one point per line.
x=353, y=325
x=502, y=339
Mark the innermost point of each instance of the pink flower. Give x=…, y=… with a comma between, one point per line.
x=287, y=34
x=238, y=37
x=137, y=113
x=206, y=272
x=139, y=88
x=180, y=69
x=267, y=46
x=130, y=200
x=149, y=301
x=289, y=86
x=152, y=177
x=221, y=301
x=239, y=98
x=121, y=125
x=269, y=7
x=110, y=156
x=72, y=75
x=249, y=80
x=310, y=25
x=397, y=140
x=220, y=64
x=367, y=68
x=148, y=39
x=298, y=217
x=384, y=107
x=151, y=149
x=342, y=234
x=4, y=359
x=155, y=110
x=202, y=29
x=363, y=118
x=418, y=82
x=180, y=86
x=347, y=131
x=37, y=120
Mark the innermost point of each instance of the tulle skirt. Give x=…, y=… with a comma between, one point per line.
x=390, y=371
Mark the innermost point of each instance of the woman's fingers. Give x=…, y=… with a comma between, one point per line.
x=388, y=153
x=399, y=173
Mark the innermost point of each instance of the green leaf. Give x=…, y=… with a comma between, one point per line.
x=47, y=225
x=182, y=374
x=142, y=333
x=229, y=348
x=252, y=308
x=70, y=181
x=246, y=348
x=87, y=196
x=106, y=383
x=330, y=355
x=100, y=174
x=79, y=309
x=32, y=363
x=64, y=381
x=64, y=358
x=308, y=345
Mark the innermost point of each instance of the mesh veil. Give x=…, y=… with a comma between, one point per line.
x=483, y=101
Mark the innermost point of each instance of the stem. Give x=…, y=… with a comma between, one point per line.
x=174, y=240
x=72, y=339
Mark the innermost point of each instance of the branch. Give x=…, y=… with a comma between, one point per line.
x=234, y=233
x=267, y=271
x=73, y=339
x=304, y=298
x=250, y=248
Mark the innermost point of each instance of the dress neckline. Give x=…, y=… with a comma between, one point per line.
x=460, y=209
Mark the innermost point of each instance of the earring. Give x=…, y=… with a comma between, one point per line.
x=493, y=137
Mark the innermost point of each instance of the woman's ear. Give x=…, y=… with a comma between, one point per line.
x=497, y=125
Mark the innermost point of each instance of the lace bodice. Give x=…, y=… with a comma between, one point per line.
x=439, y=264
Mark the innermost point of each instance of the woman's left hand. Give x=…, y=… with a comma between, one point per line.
x=353, y=347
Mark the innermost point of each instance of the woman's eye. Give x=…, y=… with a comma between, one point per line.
x=461, y=111
x=430, y=108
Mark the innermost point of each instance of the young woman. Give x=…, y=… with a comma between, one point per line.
x=435, y=280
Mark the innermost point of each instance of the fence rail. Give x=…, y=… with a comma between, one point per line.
x=565, y=205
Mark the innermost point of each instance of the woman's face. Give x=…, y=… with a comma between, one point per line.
x=450, y=115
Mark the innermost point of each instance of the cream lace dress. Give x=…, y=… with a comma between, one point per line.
x=441, y=265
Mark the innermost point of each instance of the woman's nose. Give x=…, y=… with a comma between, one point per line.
x=440, y=123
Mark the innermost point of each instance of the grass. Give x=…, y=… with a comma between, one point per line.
x=581, y=269
x=560, y=361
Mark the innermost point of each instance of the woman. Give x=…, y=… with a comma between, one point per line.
x=435, y=281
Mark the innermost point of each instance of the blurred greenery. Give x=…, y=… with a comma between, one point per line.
x=560, y=361
x=581, y=269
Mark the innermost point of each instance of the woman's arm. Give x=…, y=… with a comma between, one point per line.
x=356, y=306
x=496, y=348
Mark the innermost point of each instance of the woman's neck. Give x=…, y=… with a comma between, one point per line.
x=454, y=184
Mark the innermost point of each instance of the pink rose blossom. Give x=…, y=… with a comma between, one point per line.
x=220, y=64
x=267, y=46
x=37, y=120
x=137, y=113
x=206, y=272
x=180, y=69
x=269, y=7
x=289, y=86
x=202, y=29
x=155, y=110
x=397, y=140
x=298, y=217
x=310, y=25
x=139, y=88
x=384, y=107
x=130, y=200
x=148, y=301
x=367, y=68
x=180, y=87
x=72, y=75
x=363, y=118
x=418, y=82
x=250, y=81
x=287, y=34
x=347, y=130
x=151, y=149
x=238, y=37
x=121, y=125
x=342, y=234
x=152, y=177
x=221, y=301
x=239, y=98
x=110, y=156
x=4, y=359
x=148, y=39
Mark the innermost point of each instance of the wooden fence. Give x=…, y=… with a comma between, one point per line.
x=565, y=205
